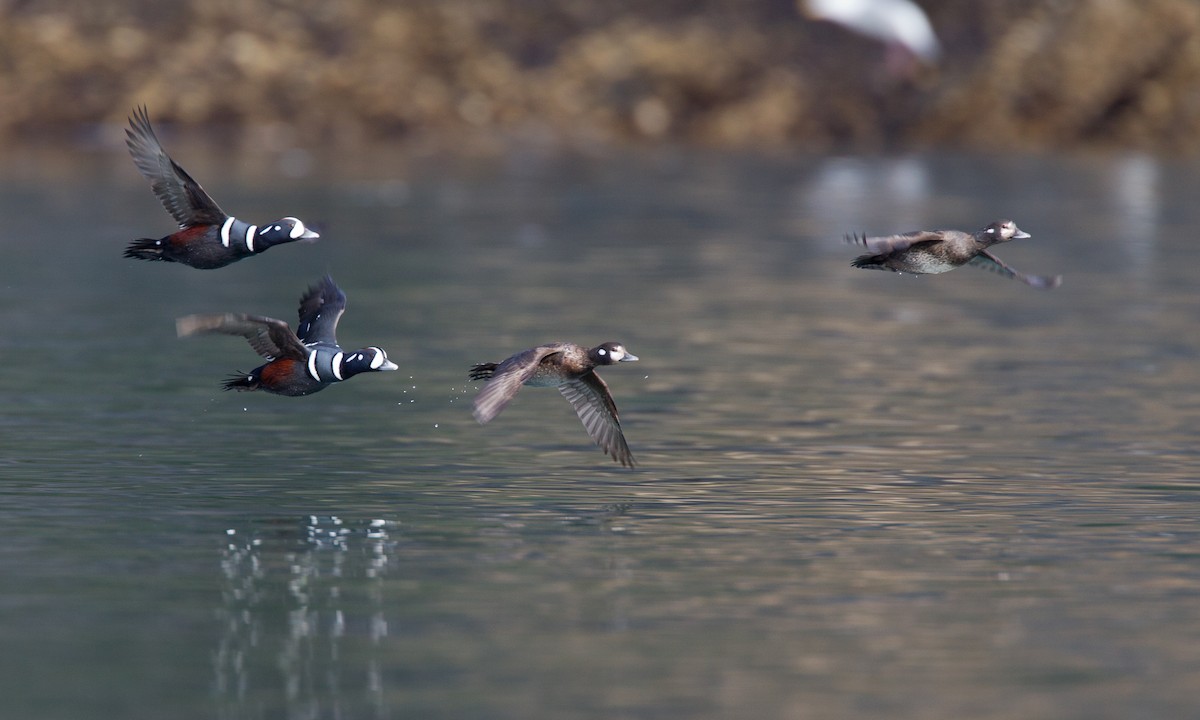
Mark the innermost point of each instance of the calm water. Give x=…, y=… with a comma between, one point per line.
x=860, y=494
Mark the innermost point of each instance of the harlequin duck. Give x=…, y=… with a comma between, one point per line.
x=938, y=251
x=570, y=368
x=301, y=363
x=207, y=238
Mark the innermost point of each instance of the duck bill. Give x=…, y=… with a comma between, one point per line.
x=388, y=365
x=1021, y=235
x=309, y=235
x=629, y=358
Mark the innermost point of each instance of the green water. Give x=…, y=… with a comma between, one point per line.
x=859, y=494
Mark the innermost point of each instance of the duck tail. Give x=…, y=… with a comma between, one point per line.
x=870, y=262
x=241, y=382
x=482, y=371
x=145, y=249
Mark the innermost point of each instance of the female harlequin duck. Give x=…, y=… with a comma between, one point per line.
x=207, y=238
x=301, y=363
x=570, y=368
x=938, y=251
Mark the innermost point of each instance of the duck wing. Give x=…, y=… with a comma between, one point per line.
x=990, y=262
x=320, y=310
x=182, y=196
x=887, y=244
x=506, y=379
x=594, y=405
x=269, y=337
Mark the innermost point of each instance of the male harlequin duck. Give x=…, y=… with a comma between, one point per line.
x=207, y=238
x=938, y=251
x=301, y=363
x=570, y=368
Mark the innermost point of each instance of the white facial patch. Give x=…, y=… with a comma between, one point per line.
x=377, y=361
x=225, y=231
x=601, y=352
x=297, y=229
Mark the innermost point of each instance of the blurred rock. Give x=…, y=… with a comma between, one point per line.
x=1023, y=74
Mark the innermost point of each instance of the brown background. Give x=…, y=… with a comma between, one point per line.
x=1015, y=74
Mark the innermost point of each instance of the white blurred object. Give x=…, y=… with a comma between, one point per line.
x=894, y=22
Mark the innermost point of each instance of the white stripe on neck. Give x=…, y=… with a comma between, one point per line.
x=312, y=366
x=225, y=230
x=250, y=237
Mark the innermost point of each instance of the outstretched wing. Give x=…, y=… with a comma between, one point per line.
x=320, y=309
x=176, y=190
x=886, y=244
x=990, y=262
x=507, y=379
x=594, y=405
x=269, y=337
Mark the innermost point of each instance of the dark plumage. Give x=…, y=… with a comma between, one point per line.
x=207, y=238
x=301, y=362
x=570, y=368
x=938, y=251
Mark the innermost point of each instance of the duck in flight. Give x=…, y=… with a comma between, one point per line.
x=298, y=363
x=926, y=252
x=207, y=238
x=572, y=369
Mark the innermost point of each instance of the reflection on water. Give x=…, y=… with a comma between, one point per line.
x=860, y=494
x=1136, y=200
x=324, y=581
x=883, y=196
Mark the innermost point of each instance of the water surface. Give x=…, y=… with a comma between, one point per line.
x=859, y=494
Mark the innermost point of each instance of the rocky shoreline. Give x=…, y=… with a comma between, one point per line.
x=1015, y=74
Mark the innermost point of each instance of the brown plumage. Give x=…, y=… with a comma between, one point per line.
x=924, y=252
x=570, y=368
